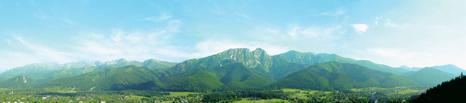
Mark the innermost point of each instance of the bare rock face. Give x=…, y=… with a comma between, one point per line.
x=257, y=59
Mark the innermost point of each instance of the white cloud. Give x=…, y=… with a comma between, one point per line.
x=15, y=59
x=95, y=46
x=172, y=24
x=131, y=46
x=299, y=37
x=134, y=45
x=48, y=17
x=360, y=28
x=393, y=53
x=412, y=57
x=159, y=18
x=337, y=12
x=296, y=31
x=119, y=44
x=387, y=22
x=44, y=53
x=26, y=52
x=8, y=41
x=432, y=37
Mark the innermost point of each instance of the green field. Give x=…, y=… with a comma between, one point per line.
x=177, y=94
x=249, y=100
x=287, y=95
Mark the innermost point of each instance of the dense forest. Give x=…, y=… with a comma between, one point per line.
x=452, y=91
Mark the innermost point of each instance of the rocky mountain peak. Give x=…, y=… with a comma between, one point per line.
x=259, y=51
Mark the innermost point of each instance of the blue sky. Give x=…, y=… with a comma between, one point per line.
x=392, y=32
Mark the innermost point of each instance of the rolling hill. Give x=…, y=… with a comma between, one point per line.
x=335, y=75
x=36, y=71
x=114, y=75
x=450, y=68
x=230, y=75
x=428, y=77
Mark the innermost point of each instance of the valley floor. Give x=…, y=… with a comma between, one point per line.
x=356, y=95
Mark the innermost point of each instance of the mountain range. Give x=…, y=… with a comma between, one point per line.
x=238, y=68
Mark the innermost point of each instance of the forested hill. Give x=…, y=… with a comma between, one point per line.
x=453, y=91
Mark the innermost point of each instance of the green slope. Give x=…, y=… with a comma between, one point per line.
x=43, y=73
x=292, y=61
x=428, y=77
x=22, y=81
x=110, y=78
x=450, y=68
x=231, y=75
x=334, y=75
x=112, y=75
x=200, y=79
x=36, y=71
x=158, y=65
x=236, y=75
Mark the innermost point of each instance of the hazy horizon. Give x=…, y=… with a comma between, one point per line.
x=391, y=32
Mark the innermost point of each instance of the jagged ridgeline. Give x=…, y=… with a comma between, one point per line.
x=231, y=69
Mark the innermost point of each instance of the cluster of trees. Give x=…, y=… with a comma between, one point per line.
x=447, y=92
